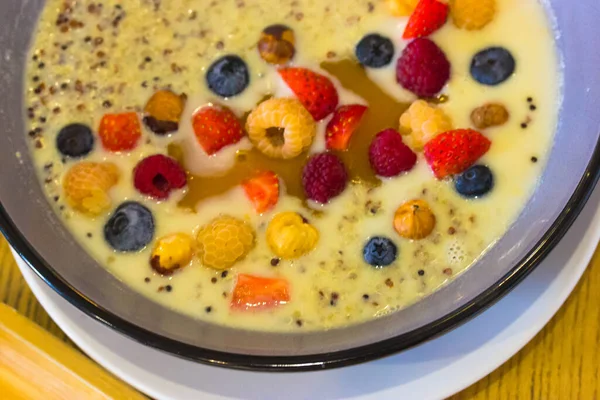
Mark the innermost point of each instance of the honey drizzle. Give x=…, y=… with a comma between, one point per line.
x=384, y=112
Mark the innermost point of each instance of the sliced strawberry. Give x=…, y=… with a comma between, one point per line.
x=342, y=126
x=428, y=17
x=258, y=293
x=120, y=132
x=315, y=91
x=453, y=152
x=262, y=190
x=216, y=127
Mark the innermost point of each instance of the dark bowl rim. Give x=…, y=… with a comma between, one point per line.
x=313, y=362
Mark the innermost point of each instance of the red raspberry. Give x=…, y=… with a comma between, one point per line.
x=324, y=177
x=389, y=156
x=156, y=176
x=423, y=68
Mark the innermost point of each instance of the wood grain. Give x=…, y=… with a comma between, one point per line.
x=561, y=362
x=58, y=370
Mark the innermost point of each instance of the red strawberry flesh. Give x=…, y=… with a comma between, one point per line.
x=259, y=293
x=216, y=127
x=428, y=17
x=342, y=126
x=262, y=190
x=119, y=132
x=453, y=152
x=315, y=91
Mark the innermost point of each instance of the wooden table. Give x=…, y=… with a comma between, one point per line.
x=562, y=362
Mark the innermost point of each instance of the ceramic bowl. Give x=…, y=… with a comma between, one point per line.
x=34, y=230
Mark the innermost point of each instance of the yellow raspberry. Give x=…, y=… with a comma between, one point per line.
x=472, y=15
x=291, y=236
x=86, y=186
x=281, y=128
x=401, y=8
x=422, y=122
x=224, y=241
x=172, y=252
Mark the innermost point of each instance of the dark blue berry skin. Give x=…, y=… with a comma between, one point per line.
x=75, y=140
x=474, y=182
x=228, y=76
x=492, y=66
x=375, y=51
x=380, y=252
x=130, y=228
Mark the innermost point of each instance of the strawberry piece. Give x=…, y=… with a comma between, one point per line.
x=258, y=293
x=344, y=123
x=428, y=17
x=263, y=191
x=216, y=127
x=315, y=91
x=120, y=132
x=453, y=152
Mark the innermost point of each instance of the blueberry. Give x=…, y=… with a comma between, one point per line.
x=492, y=66
x=75, y=140
x=228, y=76
x=475, y=182
x=380, y=252
x=130, y=228
x=375, y=51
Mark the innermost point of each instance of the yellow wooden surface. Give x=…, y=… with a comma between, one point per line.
x=60, y=371
x=562, y=362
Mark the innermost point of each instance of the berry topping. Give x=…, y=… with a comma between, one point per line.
x=86, y=186
x=224, y=241
x=324, y=177
x=401, y=8
x=315, y=91
x=422, y=122
x=472, y=14
x=216, y=127
x=454, y=151
x=489, y=115
x=277, y=44
x=380, y=252
x=281, y=128
x=389, y=156
x=172, y=252
x=75, y=140
x=156, y=176
x=163, y=112
x=120, y=132
x=423, y=68
x=474, y=182
x=428, y=17
x=228, y=76
x=258, y=293
x=492, y=66
x=342, y=126
x=263, y=191
x=414, y=220
x=130, y=228
x=290, y=236
x=375, y=51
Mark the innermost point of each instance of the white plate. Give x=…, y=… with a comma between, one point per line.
x=434, y=370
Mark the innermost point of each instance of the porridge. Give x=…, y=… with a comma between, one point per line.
x=290, y=165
